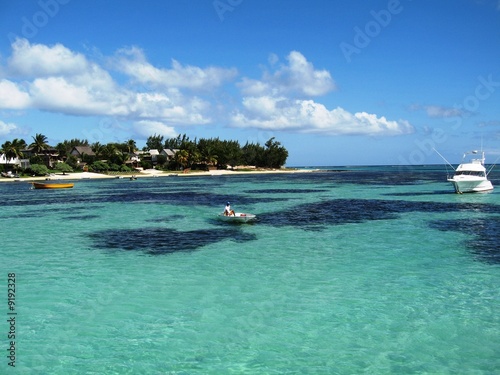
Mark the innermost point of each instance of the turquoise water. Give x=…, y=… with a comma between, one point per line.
x=373, y=270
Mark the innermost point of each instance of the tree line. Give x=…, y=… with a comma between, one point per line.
x=185, y=153
x=219, y=153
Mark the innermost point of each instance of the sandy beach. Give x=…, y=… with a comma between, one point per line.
x=149, y=173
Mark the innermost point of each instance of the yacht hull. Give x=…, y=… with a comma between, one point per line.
x=471, y=176
x=470, y=186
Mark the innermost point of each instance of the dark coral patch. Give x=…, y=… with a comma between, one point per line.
x=158, y=241
x=485, y=234
x=285, y=191
x=317, y=216
x=81, y=217
x=332, y=212
x=397, y=176
x=180, y=198
x=165, y=219
x=345, y=211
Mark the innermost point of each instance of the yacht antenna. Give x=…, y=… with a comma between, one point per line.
x=442, y=157
x=489, y=170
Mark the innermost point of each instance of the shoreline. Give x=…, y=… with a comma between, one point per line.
x=149, y=173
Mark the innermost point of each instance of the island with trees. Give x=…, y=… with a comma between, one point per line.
x=38, y=158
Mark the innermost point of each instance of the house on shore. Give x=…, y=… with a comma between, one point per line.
x=154, y=155
x=4, y=161
x=49, y=156
x=81, y=151
x=169, y=153
x=82, y=154
x=9, y=164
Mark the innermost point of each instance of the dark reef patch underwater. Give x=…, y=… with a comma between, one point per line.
x=184, y=196
x=317, y=216
x=310, y=217
x=485, y=232
x=158, y=241
x=345, y=211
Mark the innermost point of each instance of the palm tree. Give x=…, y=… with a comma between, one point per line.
x=19, y=144
x=181, y=157
x=113, y=153
x=154, y=142
x=12, y=150
x=194, y=157
x=98, y=149
x=65, y=147
x=39, y=143
x=208, y=157
x=7, y=150
x=110, y=150
x=131, y=146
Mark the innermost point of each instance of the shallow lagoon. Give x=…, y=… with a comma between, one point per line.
x=373, y=269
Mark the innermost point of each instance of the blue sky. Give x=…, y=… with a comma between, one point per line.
x=336, y=82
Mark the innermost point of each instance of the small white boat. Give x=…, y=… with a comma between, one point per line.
x=238, y=217
x=471, y=176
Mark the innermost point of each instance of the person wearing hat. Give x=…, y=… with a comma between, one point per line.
x=228, y=211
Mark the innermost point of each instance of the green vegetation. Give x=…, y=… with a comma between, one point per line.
x=179, y=153
x=38, y=170
x=220, y=154
x=63, y=167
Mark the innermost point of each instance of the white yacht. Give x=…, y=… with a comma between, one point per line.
x=471, y=176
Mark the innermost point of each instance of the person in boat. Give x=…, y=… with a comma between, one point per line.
x=228, y=211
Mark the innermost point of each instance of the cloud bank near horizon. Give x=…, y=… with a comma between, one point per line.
x=159, y=100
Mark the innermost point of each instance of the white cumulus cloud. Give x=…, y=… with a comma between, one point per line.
x=297, y=77
x=172, y=107
x=12, y=96
x=7, y=128
x=282, y=100
x=132, y=62
x=59, y=80
x=307, y=116
x=38, y=60
x=63, y=95
x=146, y=128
